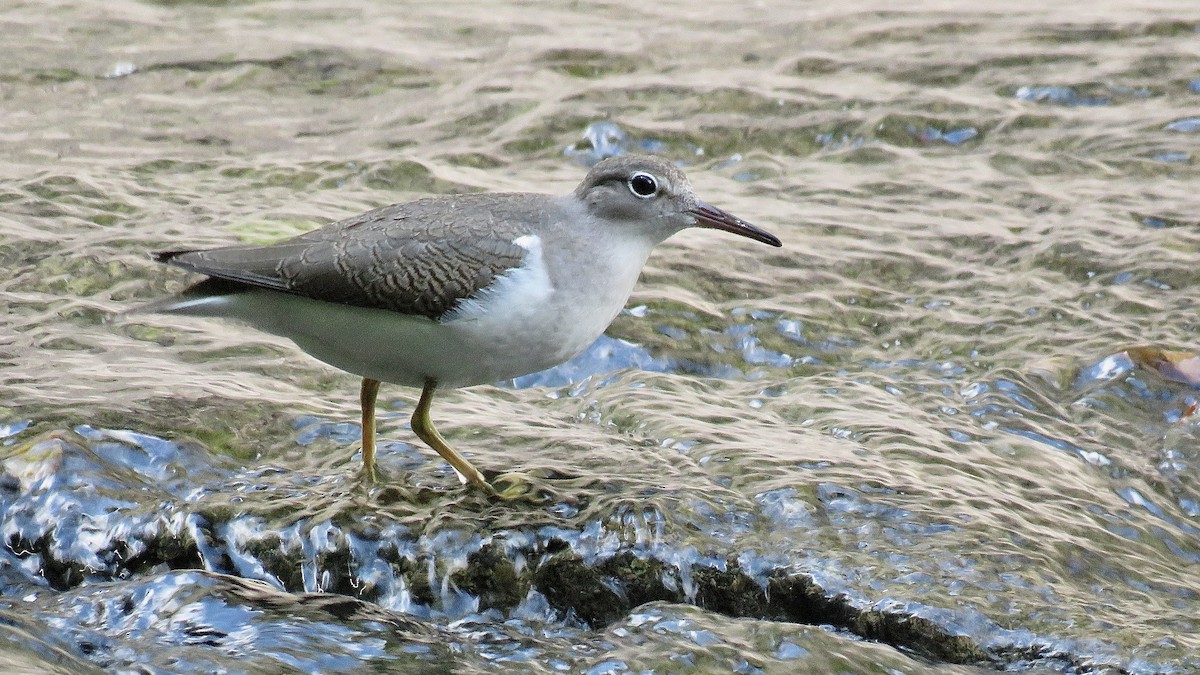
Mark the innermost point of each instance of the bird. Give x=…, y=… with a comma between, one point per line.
x=455, y=290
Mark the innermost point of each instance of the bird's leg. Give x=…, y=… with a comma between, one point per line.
x=366, y=399
x=423, y=427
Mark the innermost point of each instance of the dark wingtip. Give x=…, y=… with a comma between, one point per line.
x=166, y=256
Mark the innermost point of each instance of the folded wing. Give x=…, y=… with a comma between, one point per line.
x=388, y=258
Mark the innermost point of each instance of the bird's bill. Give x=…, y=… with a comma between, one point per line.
x=710, y=216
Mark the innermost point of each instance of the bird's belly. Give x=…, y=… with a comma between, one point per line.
x=506, y=342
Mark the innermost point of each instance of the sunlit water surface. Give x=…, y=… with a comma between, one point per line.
x=908, y=441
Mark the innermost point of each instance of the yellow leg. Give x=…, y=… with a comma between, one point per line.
x=366, y=398
x=422, y=426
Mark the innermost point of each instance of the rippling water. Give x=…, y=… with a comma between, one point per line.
x=909, y=441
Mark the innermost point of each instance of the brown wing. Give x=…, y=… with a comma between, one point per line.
x=418, y=258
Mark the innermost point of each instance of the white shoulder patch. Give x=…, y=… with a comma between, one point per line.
x=513, y=293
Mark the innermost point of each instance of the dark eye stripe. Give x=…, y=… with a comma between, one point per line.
x=643, y=185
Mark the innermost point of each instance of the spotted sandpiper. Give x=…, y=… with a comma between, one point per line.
x=459, y=290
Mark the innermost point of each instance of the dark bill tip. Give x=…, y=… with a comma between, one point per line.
x=714, y=218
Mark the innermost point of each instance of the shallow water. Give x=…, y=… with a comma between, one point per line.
x=909, y=441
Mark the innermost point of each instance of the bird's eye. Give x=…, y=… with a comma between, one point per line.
x=643, y=185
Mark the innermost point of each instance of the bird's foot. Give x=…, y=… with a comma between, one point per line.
x=369, y=475
x=368, y=472
x=514, y=486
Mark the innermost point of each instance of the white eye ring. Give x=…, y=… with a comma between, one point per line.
x=642, y=185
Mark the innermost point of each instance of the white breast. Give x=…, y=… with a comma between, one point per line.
x=515, y=292
x=525, y=321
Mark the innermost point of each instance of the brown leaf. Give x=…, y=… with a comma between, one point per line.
x=1174, y=366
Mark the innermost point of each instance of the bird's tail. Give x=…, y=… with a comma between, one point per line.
x=205, y=298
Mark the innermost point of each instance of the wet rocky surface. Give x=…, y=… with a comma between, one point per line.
x=127, y=540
